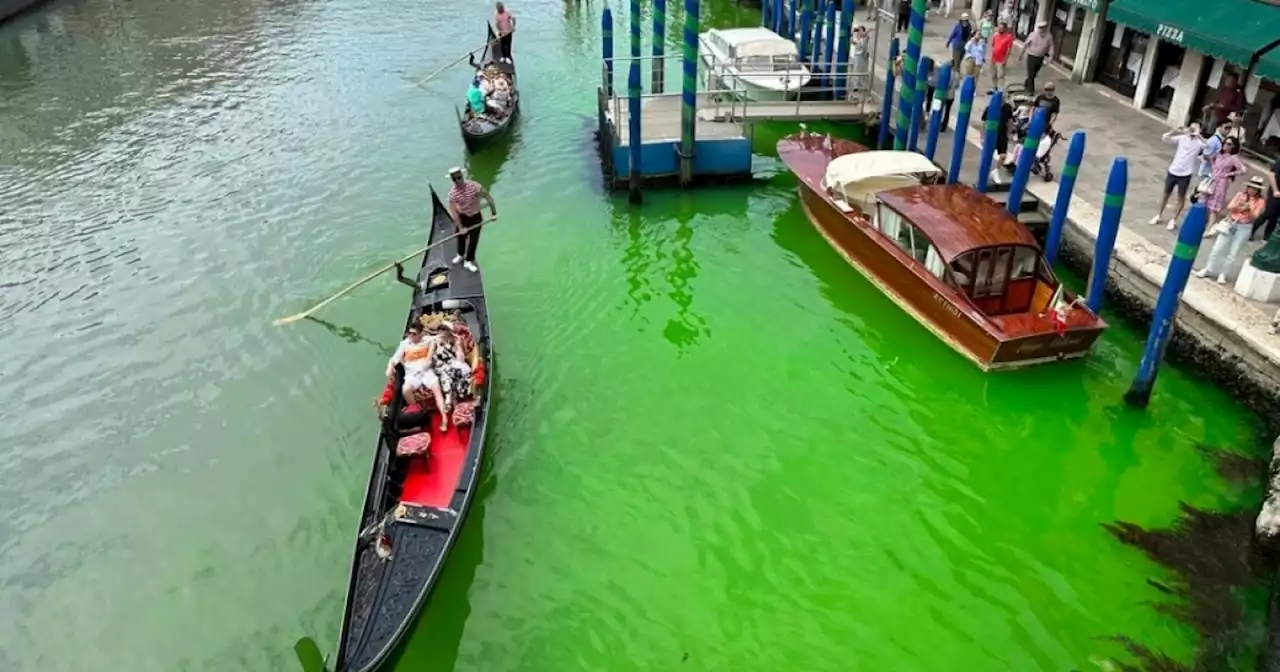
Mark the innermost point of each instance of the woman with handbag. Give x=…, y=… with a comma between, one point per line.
x=1223, y=169
x=1233, y=231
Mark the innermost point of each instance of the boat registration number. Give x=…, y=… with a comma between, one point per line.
x=950, y=307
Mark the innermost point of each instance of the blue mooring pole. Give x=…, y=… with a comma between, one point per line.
x=1162, y=320
x=935, y=110
x=806, y=29
x=634, y=136
x=778, y=6
x=1026, y=158
x=792, y=10
x=765, y=6
x=991, y=128
x=659, y=68
x=819, y=20
x=886, y=102
x=829, y=59
x=958, y=140
x=689, y=93
x=918, y=110
x=1066, y=185
x=842, y=49
x=1108, y=227
x=606, y=27
x=910, y=62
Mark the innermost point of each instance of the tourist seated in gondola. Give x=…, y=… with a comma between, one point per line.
x=414, y=353
x=476, y=99
x=451, y=370
x=500, y=100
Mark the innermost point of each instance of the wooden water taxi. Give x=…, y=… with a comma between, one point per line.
x=481, y=130
x=423, y=479
x=754, y=63
x=947, y=254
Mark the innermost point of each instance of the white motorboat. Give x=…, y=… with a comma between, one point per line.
x=753, y=63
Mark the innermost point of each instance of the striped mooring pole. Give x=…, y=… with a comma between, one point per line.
x=689, y=93
x=990, y=127
x=606, y=27
x=886, y=99
x=958, y=141
x=658, y=70
x=806, y=29
x=842, y=49
x=1162, y=319
x=1066, y=185
x=1026, y=158
x=634, y=135
x=1108, y=227
x=935, y=110
x=919, y=109
x=910, y=64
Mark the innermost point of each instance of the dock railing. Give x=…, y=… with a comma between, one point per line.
x=723, y=97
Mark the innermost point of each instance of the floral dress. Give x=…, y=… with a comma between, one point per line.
x=1224, y=166
x=454, y=375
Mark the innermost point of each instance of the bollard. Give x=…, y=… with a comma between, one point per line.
x=1026, y=157
x=842, y=49
x=907, y=88
x=819, y=20
x=991, y=129
x=1066, y=185
x=659, y=67
x=921, y=106
x=606, y=27
x=633, y=127
x=806, y=29
x=829, y=57
x=962, y=128
x=1108, y=227
x=886, y=99
x=689, y=93
x=935, y=113
x=1162, y=319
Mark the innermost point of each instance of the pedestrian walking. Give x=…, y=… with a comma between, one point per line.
x=975, y=56
x=1050, y=101
x=505, y=23
x=987, y=27
x=872, y=6
x=1230, y=100
x=1001, y=47
x=960, y=34
x=904, y=15
x=464, y=207
x=1188, y=144
x=1225, y=166
x=1002, y=139
x=860, y=59
x=1233, y=232
x=1035, y=49
x=1271, y=216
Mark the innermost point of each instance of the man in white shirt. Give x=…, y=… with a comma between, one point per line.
x=1188, y=145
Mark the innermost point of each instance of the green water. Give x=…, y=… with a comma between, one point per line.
x=715, y=446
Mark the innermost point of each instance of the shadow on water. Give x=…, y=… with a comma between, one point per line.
x=1222, y=576
x=350, y=335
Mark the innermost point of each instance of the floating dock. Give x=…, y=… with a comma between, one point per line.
x=722, y=149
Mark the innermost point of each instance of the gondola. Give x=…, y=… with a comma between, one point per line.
x=422, y=481
x=480, y=131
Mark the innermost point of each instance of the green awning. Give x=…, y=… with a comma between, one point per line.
x=1232, y=30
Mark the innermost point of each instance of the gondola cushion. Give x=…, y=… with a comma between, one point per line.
x=464, y=413
x=416, y=444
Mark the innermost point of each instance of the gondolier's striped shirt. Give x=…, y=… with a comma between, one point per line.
x=466, y=197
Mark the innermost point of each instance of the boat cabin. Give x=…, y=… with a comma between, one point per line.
x=955, y=233
x=753, y=49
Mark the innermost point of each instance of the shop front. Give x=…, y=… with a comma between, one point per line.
x=1159, y=52
x=1024, y=17
x=1066, y=24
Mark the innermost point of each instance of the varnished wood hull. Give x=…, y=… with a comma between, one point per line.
x=935, y=305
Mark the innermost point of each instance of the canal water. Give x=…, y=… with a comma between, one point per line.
x=716, y=446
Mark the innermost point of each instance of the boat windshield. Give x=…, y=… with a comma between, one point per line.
x=1005, y=279
x=768, y=63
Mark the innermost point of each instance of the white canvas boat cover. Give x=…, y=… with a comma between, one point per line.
x=748, y=42
x=853, y=168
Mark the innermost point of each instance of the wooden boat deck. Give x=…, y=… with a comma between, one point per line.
x=660, y=120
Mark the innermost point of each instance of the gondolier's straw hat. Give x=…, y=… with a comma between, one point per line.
x=455, y=172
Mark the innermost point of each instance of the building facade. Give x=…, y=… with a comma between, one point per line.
x=1171, y=58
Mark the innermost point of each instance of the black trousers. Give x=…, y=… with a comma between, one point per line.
x=1268, y=219
x=1034, y=63
x=505, y=42
x=469, y=238
x=904, y=22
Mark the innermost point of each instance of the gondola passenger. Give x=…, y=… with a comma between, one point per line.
x=414, y=354
x=450, y=370
x=475, y=98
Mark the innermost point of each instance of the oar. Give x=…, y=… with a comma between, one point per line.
x=309, y=655
x=446, y=66
x=346, y=290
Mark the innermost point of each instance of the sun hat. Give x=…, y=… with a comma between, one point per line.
x=455, y=172
x=1257, y=183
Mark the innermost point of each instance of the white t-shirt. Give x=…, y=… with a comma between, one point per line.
x=412, y=355
x=1186, y=155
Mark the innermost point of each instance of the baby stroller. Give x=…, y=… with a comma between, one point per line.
x=1043, y=165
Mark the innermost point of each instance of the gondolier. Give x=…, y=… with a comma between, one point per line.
x=464, y=207
x=505, y=22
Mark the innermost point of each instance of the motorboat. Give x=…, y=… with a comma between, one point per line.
x=752, y=63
